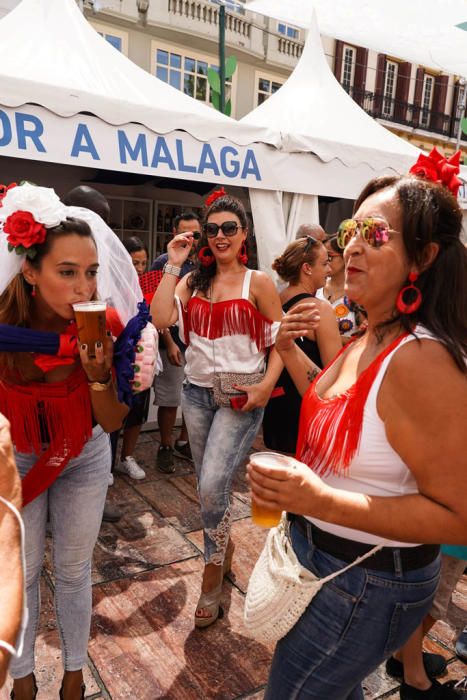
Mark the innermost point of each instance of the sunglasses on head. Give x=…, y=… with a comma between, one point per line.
x=310, y=242
x=228, y=228
x=374, y=231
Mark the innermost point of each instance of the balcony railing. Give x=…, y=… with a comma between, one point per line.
x=405, y=113
x=205, y=12
x=290, y=47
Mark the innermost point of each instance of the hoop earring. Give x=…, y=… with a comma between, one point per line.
x=243, y=255
x=205, y=256
x=405, y=307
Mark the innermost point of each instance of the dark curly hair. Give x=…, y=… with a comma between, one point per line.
x=430, y=213
x=202, y=275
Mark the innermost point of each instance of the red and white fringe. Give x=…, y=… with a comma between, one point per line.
x=227, y=318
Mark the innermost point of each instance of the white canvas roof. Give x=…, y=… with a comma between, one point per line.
x=424, y=32
x=314, y=113
x=51, y=56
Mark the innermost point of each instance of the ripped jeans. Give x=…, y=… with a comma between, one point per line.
x=75, y=502
x=220, y=439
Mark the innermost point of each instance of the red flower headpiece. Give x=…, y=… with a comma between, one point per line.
x=215, y=195
x=437, y=168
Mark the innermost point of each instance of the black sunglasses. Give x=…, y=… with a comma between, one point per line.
x=196, y=235
x=310, y=242
x=228, y=228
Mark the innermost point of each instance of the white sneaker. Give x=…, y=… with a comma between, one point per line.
x=131, y=468
x=111, y=479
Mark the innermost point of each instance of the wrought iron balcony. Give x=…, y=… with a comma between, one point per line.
x=405, y=113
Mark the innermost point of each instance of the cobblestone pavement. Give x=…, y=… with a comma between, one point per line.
x=146, y=577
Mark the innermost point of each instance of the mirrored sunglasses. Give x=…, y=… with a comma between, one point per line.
x=374, y=231
x=228, y=228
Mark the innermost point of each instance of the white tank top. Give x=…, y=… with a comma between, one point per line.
x=227, y=336
x=377, y=469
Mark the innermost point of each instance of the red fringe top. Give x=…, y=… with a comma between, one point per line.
x=330, y=428
x=227, y=318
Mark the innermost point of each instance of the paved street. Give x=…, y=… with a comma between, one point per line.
x=146, y=577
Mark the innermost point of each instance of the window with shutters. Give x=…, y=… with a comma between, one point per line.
x=348, y=67
x=390, y=82
x=427, y=99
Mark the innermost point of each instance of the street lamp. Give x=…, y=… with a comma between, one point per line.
x=143, y=7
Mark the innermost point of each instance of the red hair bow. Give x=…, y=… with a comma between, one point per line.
x=437, y=168
x=215, y=195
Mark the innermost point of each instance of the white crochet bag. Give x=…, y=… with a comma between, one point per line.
x=280, y=588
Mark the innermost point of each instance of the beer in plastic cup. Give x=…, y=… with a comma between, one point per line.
x=91, y=323
x=272, y=460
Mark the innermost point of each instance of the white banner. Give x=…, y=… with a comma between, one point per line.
x=34, y=133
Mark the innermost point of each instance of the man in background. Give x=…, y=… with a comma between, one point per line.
x=168, y=384
x=314, y=230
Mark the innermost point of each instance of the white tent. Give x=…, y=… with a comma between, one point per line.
x=426, y=32
x=314, y=114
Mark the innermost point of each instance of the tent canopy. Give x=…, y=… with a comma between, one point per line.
x=424, y=32
x=64, y=65
x=314, y=113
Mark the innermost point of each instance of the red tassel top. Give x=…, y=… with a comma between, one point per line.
x=330, y=428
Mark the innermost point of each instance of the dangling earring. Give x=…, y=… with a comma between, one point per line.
x=205, y=256
x=405, y=307
x=242, y=255
x=33, y=290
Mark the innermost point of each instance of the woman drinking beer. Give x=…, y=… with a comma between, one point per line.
x=60, y=408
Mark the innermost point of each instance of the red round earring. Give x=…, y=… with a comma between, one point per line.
x=205, y=256
x=405, y=307
x=33, y=290
x=243, y=255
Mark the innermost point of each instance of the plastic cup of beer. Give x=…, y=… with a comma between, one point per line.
x=271, y=460
x=91, y=323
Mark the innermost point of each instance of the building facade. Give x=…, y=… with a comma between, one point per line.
x=179, y=40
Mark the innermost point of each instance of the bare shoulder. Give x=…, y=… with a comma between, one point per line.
x=261, y=282
x=421, y=372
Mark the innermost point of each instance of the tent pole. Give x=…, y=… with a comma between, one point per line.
x=461, y=109
x=222, y=56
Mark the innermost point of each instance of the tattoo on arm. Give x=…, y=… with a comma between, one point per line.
x=312, y=374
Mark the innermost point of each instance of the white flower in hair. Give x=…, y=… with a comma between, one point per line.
x=41, y=202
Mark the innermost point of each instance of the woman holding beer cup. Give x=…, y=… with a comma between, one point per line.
x=52, y=267
x=374, y=465
x=226, y=314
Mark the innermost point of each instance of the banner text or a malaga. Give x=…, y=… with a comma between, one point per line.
x=86, y=140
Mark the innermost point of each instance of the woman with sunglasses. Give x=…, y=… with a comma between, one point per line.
x=228, y=316
x=304, y=265
x=381, y=441
x=348, y=318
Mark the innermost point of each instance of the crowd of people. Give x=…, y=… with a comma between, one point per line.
x=351, y=368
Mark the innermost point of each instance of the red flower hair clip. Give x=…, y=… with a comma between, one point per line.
x=437, y=168
x=215, y=195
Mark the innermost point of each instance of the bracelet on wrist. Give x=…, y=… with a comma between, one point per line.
x=172, y=269
x=101, y=386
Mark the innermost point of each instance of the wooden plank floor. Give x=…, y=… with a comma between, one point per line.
x=146, y=578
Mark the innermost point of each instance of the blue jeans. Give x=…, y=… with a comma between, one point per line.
x=75, y=502
x=351, y=625
x=220, y=439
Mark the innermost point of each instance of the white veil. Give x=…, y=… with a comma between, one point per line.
x=117, y=280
